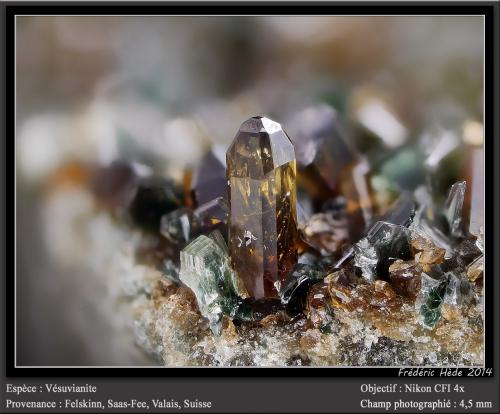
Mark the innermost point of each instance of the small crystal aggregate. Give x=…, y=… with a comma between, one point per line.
x=333, y=284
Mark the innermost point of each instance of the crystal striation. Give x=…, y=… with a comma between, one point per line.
x=206, y=270
x=261, y=173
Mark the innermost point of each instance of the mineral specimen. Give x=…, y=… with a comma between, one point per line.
x=206, y=270
x=405, y=278
x=155, y=197
x=182, y=225
x=383, y=243
x=402, y=211
x=475, y=197
x=443, y=163
x=254, y=310
x=261, y=173
x=328, y=163
x=343, y=319
x=432, y=295
x=425, y=252
x=456, y=297
x=209, y=179
x=177, y=226
x=321, y=144
x=326, y=232
x=453, y=210
x=475, y=270
x=213, y=215
x=294, y=290
x=115, y=184
x=319, y=306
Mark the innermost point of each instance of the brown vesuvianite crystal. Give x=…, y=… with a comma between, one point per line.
x=261, y=173
x=329, y=165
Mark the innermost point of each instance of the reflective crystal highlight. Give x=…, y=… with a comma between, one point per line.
x=384, y=241
x=453, y=209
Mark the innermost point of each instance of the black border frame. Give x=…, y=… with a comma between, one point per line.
x=489, y=9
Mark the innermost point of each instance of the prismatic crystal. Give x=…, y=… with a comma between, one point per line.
x=261, y=174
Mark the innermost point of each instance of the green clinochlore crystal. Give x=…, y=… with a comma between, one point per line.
x=451, y=290
x=433, y=291
x=206, y=270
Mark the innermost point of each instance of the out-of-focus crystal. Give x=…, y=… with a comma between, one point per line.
x=261, y=174
x=209, y=179
x=321, y=143
x=169, y=270
x=155, y=197
x=355, y=186
x=403, y=168
x=329, y=165
x=468, y=251
x=115, y=184
x=326, y=232
x=154, y=249
x=205, y=269
x=177, y=226
x=376, y=116
x=402, y=211
x=444, y=163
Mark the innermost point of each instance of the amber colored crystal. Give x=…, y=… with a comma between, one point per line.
x=261, y=173
x=426, y=253
x=475, y=269
x=405, y=278
x=319, y=308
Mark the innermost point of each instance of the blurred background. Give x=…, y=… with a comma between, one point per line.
x=163, y=90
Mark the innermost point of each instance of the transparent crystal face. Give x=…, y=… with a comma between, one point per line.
x=261, y=172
